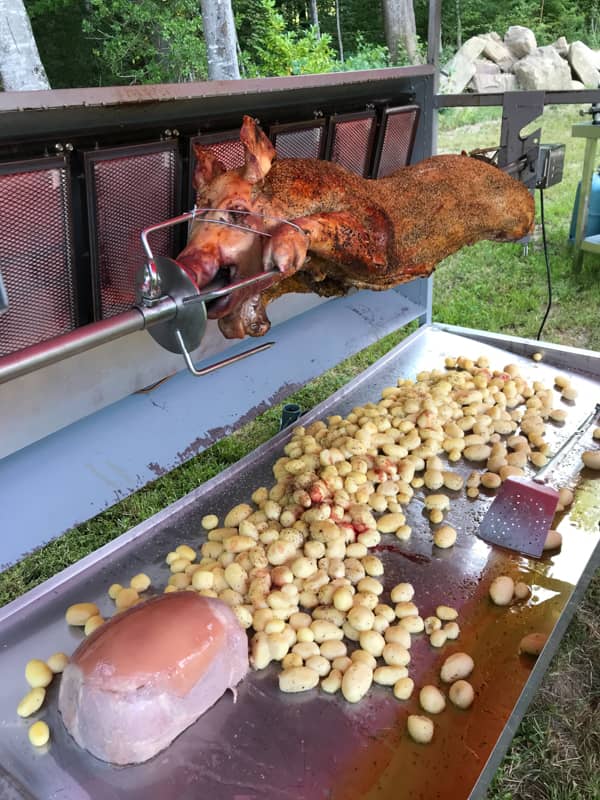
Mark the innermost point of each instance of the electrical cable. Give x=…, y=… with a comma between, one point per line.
x=548, y=274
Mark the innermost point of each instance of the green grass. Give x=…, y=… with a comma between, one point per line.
x=555, y=753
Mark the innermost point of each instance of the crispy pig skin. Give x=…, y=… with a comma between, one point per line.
x=347, y=231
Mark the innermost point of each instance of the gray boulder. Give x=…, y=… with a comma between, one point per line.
x=484, y=79
x=520, y=41
x=461, y=68
x=577, y=85
x=561, y=46
x=543, y=70
x=495, y=50
x=583, y=64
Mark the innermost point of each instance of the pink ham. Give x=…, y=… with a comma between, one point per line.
x=142, y=678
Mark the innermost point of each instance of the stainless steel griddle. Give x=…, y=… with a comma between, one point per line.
x=311, y=746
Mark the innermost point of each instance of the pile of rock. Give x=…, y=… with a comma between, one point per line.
x=488, y=63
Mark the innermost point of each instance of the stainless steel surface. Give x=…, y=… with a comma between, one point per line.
x=200, y=373
x=275, y=747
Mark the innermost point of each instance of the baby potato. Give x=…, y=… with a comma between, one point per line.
x=444, y=536
x=591, y=459
x=439, y=502
x=356, y=682
x=402, y=593
x=438, y=638
x=596, y=433
x=320, y=665
x=39, y=733
x=141, y=581
x=533, y=644
x=79, y=613
x=420, y=728
x=93, y=623
x=389, y=675
x=399, y=634
x=298, y=679
x=403, y=688
x=332, y=683
x=446, y=613
x=389, y=523
x=128, y=598
x=372, y=642
x=412, y=624
x=553, y=540
x=432, y=624
x=332, y=649
x=361, y=618
x=431, y=699
x=451, y=630
x=565, y=498
x=456, y=666
x=38, y=674
x=113, y=590
x=522, y=591
x=405, y=610
x=364, y=658
x=32, y=702
x=461, y=694
x=395, y=655
x=57, y=662
x=502, y=590
x=209, y=522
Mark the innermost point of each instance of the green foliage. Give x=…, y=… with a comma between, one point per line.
x=367, y=56
x=269, y=48
x=148, y=41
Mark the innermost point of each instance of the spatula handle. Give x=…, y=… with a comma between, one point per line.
x=540, y=477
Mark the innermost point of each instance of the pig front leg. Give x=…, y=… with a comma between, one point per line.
x=338, y=236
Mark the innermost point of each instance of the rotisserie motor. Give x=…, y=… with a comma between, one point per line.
x=345, y=231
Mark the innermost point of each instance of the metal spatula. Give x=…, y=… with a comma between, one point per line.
x=521, y=514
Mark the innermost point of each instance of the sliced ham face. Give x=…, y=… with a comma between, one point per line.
x=146, y=675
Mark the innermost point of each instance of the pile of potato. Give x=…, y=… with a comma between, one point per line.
x=296, y=564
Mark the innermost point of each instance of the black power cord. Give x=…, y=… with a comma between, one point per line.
x=548, y=274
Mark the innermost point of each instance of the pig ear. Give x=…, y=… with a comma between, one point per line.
x=207, y=167
x=258, y=149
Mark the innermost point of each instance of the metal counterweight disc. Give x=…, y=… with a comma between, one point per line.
x=190, y=318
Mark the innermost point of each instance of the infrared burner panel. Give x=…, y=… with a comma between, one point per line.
x=396, y=139
x=36, y=258
x=299, y=140
x=129, y=189
x=351, y=141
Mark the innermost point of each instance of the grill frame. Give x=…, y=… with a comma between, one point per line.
x=91, y=158
x=336, y=119
x=69, y=279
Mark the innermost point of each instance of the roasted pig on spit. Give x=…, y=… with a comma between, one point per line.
x=330, y=229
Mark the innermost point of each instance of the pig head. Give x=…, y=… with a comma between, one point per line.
x=241, y=247
x=323, y=229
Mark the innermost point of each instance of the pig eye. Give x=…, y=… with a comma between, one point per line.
x=236, y=214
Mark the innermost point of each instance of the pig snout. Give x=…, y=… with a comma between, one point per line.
x=201, y=263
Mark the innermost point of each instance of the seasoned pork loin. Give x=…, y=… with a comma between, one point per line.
x=142, y=678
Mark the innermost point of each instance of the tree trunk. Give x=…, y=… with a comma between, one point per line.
x=338, y=24
x=314, y=17
x=219, y=34
x=21, y=68
x=458, y=26
x=399, y=23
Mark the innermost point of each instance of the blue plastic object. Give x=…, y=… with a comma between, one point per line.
x=593, y=221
